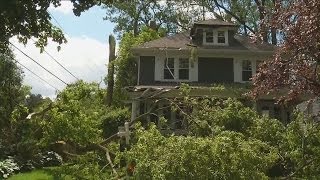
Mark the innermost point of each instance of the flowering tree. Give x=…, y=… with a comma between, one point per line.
x=296, y=62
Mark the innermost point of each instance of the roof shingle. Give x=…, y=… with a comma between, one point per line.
x=183, y=40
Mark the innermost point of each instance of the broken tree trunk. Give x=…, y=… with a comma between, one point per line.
x=110, y=75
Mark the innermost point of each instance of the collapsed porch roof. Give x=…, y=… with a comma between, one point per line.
x=236, y=90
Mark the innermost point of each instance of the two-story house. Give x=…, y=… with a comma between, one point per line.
x=210, y=53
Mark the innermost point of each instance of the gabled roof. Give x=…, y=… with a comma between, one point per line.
x=183, y=40
x=215, y=22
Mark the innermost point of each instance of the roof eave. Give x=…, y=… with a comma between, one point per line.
x=200, y=50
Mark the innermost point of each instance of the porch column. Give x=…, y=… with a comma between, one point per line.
x=134, y=109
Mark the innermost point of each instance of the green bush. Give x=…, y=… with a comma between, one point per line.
x=228, y=155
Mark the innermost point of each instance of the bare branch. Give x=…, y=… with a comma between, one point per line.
x=233, y=15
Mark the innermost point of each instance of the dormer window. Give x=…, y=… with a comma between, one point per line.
x=209, y=36
x=221, y=37
x=215, y=37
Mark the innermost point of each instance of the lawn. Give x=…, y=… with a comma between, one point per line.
x=36, y=175
x=41, y=174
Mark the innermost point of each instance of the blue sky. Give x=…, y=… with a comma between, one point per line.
x=90, y=23
x=85, y=54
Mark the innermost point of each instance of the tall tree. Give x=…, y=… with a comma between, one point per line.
x=29, y=18
x=173, y=16
x=110, y=75
x=296, y=63
x=253, y=16
x=12, y=92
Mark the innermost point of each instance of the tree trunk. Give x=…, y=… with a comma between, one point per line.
x=274, y=30
x=263, y=28
x=110, y=75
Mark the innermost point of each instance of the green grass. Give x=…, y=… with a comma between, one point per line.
x=40, y=174
x=34, y=175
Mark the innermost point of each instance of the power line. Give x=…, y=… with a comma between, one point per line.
x=38, y=63
x=36, y=75
x=59, y=63
x=56, y=22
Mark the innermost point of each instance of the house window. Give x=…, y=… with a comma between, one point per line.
x=176, y=69
x=168, y=72
x=246, y=70
x=209, y=36
x=221, y=37
x=183, y=68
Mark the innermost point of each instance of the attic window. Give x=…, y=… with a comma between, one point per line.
x=209, y=36
x=215, y=37
x=221, y=37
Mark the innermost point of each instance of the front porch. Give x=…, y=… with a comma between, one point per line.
x=153, y=103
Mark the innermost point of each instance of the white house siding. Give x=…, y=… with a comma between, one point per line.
x=160, y=55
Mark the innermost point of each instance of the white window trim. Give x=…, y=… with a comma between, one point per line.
x=215, y=37
x=174, y=68
x=253, y=68
x=176, y=71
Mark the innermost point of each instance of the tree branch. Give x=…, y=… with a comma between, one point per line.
x=233, y=15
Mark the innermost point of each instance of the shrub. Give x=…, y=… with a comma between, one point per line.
x=228, y=155
x=49, y=158
x=8, y=167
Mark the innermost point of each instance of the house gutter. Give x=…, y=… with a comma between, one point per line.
x=137, y=51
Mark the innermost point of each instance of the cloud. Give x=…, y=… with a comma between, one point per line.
x=65, y=8
x=84, y=57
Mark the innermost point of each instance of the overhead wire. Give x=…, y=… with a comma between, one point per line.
x=54, y=59
x=55, y=20
x=37, y=75
x=33, y=72
x=59, y=25
x=38, y=64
